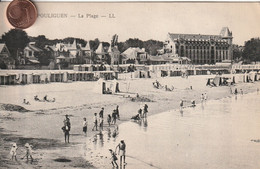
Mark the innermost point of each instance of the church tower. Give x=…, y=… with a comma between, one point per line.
x=226, y=34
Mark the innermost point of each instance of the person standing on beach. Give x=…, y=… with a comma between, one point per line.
x=202, y=98
x=85, y=125
x=117, y=112
x=114, y=117
x=235, y=92
x=140, y=113
x=95, y=121
x=101, y=122
x=122, y=151
x=108, y=119
x=66, y=128
x=181, y=105
x=13, y=151
x=145, y=110
x=101, y=113
x=117, y=87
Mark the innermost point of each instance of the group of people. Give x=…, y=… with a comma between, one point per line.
x=98, y=122
x=36, y=98
x=142, y=113
x=121, y=151
x=236, y=91
x=158, y=85
x=28, y=152
x=45, y=99
x=193, y=103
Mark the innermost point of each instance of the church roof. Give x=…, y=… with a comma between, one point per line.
x=175, y=36
x=225, y=32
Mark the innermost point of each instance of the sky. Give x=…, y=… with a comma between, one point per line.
x=142, y=20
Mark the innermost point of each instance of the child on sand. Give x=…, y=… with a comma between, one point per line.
x=28, y=152
x=26, y=102
x=13, y=151
x=113, y=158
x=193, y=104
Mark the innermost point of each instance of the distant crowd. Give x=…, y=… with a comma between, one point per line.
x=36, y=98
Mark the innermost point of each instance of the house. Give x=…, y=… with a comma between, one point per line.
x=102, y=54
x=114, y=55
x=6, y=61
x=73, y=52
x=134, y=56
x=86, y=53
x=31, y=53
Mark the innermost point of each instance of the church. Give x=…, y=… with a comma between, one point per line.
x=201, y=49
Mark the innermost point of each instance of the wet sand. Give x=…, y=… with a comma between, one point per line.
x=44, y=121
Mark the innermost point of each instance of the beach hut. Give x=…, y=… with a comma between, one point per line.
x=36, y=78
x=29, y=78
x=100, y=86
x=7, y=79
x=72, y=76
x=251, y=76
x=65, y=76
x=43, y=78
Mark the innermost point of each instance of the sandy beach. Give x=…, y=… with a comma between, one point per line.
x=41, y=124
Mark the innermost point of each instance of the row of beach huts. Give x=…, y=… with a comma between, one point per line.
x=94, y=72
x=13, y=77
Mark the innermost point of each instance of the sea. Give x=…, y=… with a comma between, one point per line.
x=216, y=134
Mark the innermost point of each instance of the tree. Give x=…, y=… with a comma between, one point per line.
x=40, y=41
x=251, y=50
x=44, y=57
x=78, y=40
x=151, y=46
x=15, y=39
x=237, y=53
x=94, y=44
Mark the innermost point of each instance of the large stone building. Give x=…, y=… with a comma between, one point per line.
x=201, y=49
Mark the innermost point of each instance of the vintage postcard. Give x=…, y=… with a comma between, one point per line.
x=130, y=85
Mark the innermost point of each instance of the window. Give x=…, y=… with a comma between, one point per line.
x=30, y=53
